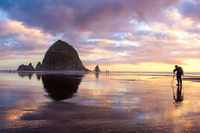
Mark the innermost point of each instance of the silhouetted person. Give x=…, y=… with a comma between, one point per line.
x=179, y=72
x=107, y=71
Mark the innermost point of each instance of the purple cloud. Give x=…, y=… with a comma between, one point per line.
x=106, y=31
x=62, y=16
x=190, y=9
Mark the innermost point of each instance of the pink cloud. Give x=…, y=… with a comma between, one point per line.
x=106, y=31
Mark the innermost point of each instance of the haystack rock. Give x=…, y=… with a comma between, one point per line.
x=62, y=56
x=26, y=67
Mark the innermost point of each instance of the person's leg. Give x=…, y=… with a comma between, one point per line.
x=177, y=77
x=180, y=80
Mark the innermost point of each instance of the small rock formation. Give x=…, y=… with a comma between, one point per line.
x=26, y=67
x=97, y=69
x=62, y=56
x=39, y=67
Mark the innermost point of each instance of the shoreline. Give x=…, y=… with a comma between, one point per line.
x=156, y=72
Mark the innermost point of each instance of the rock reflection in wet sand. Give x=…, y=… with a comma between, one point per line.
x=112, y=102
x=60, y=87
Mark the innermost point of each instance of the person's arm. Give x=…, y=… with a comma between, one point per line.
x=174, y=70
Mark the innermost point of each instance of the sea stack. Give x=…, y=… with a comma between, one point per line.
x=97, y=69
x=62, y=57
x=26, y=67
x=39, y=67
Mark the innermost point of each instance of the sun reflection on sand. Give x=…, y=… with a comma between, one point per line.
x=146, y=99
x=17, y=114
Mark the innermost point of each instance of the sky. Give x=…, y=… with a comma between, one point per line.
x=118, y=35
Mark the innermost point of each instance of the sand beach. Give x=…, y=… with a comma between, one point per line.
x=114, y=102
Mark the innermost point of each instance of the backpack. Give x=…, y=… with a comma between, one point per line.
x=180, y=70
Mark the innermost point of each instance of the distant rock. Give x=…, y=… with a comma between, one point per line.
x=62, y=56
x=97, y=69
x=26, y=67
x=39, y=67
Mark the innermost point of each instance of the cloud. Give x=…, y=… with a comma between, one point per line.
x=190, y=9
x=64, y=16
x=106, y=31
x=157, y=43
x=17, y=39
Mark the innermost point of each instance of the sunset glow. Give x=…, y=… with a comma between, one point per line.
x=118, y=35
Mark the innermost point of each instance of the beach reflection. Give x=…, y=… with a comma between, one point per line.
x=38, y=76
x=123, y=101
x=97, y=75
x=179, y=96
x=24, y=74
x=60, y=87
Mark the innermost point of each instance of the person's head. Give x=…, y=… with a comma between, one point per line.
x=176, y=66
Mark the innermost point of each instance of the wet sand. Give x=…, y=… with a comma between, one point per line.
x=192, y=78
x=115, y=102
x=67, y=117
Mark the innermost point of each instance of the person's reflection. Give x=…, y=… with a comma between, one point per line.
x=179, y=95
x=29, y=75
x=60, y=87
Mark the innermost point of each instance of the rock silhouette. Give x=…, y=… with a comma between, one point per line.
x=97, y=69
x=62, y=56
x=39, y=67
x=60, y=87
x=59, y=57
x=26, y=67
